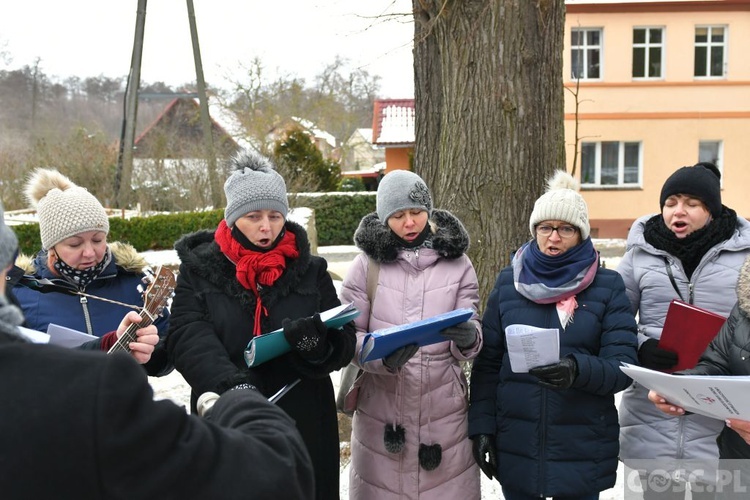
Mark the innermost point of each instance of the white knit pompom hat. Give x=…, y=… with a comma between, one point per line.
x=561, y=201
x=64, y=208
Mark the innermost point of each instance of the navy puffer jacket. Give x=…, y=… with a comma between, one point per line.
x=555, y=442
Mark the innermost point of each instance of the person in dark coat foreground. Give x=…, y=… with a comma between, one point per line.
x=553, y=431
x=81, y=424
x=727, y=354
x=252, y=275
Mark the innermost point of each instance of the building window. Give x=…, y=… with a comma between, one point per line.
x=585, y=53
x=710, y=47
x=610, y=163
x=710, y=151
x=648, y=45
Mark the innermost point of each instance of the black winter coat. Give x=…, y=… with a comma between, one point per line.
x=729, y=354
x=212, y=322
x=78, y=424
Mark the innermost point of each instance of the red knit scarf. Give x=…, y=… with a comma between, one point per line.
x=254, y=268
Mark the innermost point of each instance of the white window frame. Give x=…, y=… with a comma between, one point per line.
x=719, y=155
x=709, y=45
x=584, y=50
x=646, y=46
x=620, y=166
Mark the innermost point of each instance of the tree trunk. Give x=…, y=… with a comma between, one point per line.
x=489, y=115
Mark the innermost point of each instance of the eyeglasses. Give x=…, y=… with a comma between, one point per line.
x=562, y=231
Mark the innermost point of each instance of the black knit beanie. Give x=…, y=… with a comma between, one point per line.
x=699, y=181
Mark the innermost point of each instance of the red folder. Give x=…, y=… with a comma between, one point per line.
x=688, y=330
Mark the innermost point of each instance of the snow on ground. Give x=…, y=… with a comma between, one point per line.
x=173, y=386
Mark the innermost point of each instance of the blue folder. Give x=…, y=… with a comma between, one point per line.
x=271, y=345
x=381, y=343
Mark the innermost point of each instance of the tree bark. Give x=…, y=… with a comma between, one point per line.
x=489, y=115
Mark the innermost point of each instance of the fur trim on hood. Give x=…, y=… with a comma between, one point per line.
x=743, y=288
x=124, y=254
x=449, y=237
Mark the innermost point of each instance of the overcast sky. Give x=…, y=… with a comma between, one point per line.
x=292, y=37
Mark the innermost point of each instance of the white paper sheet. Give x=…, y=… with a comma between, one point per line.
x=719, y=397
x=529, y=347
x=67, y=337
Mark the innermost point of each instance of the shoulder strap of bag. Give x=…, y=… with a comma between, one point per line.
x=373, y=269
x=351, y=372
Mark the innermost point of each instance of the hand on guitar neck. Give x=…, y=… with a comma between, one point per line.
x=140, y=342
x=143, y=340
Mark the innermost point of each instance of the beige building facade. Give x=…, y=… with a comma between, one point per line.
x=652, y=86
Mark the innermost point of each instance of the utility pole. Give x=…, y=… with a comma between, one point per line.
x=216, y=192
x=124, y=172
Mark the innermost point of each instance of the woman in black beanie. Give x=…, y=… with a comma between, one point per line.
x=691, y=251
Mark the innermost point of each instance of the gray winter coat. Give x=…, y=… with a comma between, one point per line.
x=646, y=432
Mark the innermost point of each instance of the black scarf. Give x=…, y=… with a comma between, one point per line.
x=691, y=249
x=82, y=277
x=424, y=237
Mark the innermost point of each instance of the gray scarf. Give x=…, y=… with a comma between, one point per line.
x=10, y=318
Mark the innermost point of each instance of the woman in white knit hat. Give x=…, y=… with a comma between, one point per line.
x=252, y=275
x=76, y=256
x=553, y=432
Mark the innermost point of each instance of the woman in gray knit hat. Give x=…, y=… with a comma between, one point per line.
x=409, y=429
x=252, y=275
x=77, y=258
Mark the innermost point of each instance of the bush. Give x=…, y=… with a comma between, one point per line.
x=337, y=216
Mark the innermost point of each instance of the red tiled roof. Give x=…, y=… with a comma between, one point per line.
x=393, y=122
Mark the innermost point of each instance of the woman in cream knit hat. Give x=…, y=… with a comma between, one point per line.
x=76, y=256
x=552, y=432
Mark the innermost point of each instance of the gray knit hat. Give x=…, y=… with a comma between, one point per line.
x=64, y=208
x=8, y=241
x=254, y=185
x=561, y=202
x=402, y=190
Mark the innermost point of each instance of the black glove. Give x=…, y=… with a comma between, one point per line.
x=307, y=336
x=651, y=356
x=560, y=375
x=484, y=446
x=463, y=334
x=400, y=356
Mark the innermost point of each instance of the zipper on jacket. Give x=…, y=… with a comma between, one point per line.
x=543, y=440
x=691, y=289
x=681, y=439
x=86, y=316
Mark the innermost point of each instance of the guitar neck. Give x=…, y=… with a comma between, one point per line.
x=129, y=335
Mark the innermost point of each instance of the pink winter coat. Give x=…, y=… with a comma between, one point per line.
x=428, y=395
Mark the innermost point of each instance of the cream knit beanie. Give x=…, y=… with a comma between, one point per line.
x=64, y=209
x=561, y=202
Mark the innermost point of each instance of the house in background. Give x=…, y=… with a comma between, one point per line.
x=361, y=159
x=660, y=84
x=177, y=133
x=393, y=129
x=359, y=153
x=325, y=142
